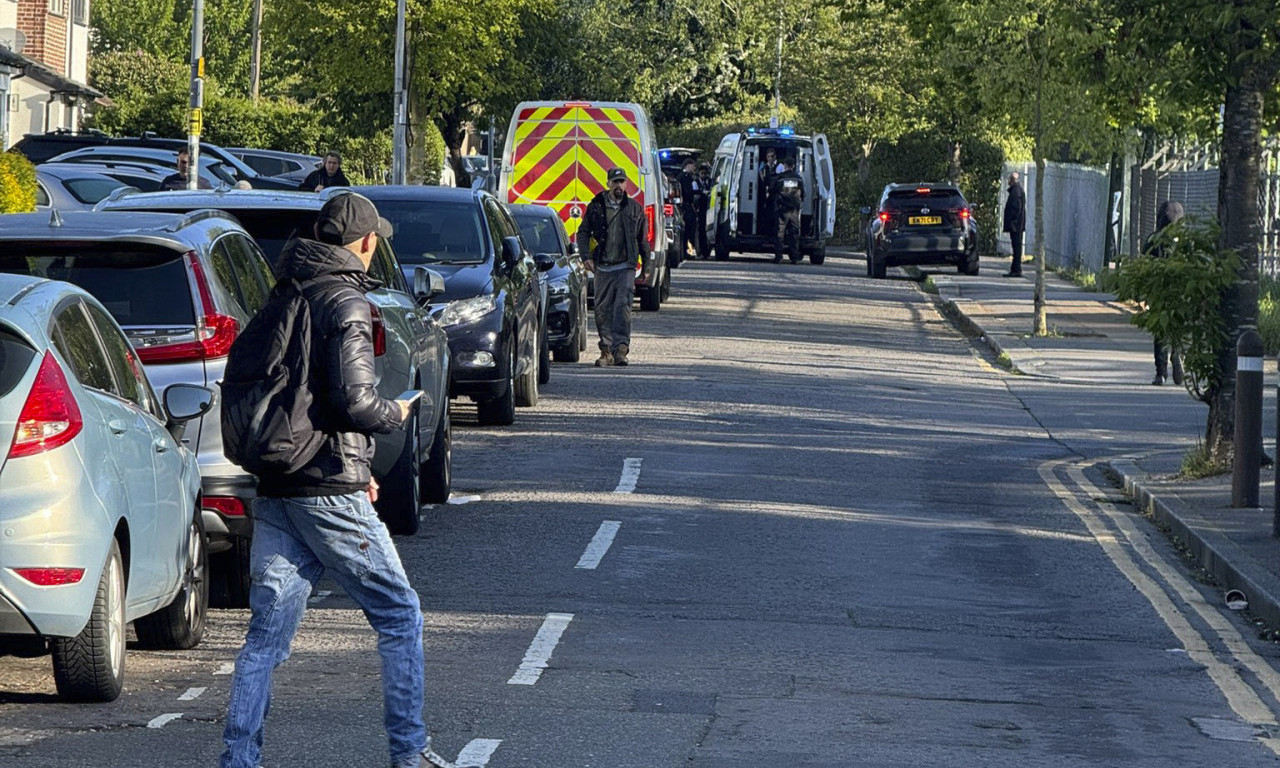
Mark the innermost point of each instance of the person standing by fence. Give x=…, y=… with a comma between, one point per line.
x=1166, y=352
x=1015, y=223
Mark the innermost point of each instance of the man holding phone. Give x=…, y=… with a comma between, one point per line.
x=320, y=519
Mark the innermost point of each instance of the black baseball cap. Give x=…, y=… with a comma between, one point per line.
x=348, y=217
x=617, y=173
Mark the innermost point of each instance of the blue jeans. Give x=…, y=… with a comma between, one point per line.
x=295, y=541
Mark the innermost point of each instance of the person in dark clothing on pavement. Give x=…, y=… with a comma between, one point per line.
x=788, y=197
x=701, y=205
x=616, y=225
x=179, y=180
x=319, y=519
x=327, y=175
x=767, y=172
x=690, y=189
x=1015, y=223
x=1169, y=212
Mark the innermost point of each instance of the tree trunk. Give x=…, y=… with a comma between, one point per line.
x=1239, y=217
x=953, y=161
x=1040, y=325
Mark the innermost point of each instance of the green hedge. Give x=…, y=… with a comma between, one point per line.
x=17, y=184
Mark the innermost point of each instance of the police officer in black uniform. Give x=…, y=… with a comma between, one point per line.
x=787, y=194
x=767, y=171
x=689, y=191
x=702, y=205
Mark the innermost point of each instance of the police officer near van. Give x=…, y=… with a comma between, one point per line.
x=768, y=173
x=690, y=191
x=616, y=225
x=702, y=204
x=787, y=194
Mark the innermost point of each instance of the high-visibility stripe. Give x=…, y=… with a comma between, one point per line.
x=555, y=157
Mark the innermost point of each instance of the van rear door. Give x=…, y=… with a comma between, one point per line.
x=825, y=177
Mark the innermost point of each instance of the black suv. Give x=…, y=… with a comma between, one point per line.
x=921, y=224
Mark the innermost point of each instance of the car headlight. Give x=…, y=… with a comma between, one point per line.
x=466, y=311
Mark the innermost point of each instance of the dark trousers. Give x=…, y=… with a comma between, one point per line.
x=788, y=235
x=692, y=237
x=1015, y=240
x=1164, y=355
x=704, y=248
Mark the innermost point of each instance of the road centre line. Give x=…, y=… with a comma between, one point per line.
x=192, y=694
x=540, y=650
x=630, y=476
x=226, y=668
x=164, y=720
x=599, y=545
x=1242, y=699
x=477, y=753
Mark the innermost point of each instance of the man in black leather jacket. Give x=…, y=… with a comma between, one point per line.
x=320, y=518
x=613, y=239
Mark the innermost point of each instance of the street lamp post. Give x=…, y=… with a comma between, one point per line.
x=400, y=121
x=195, y=119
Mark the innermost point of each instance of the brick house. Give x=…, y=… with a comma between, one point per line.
x=44, y=50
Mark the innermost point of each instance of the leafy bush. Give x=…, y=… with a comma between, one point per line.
x=17, y=184
x=365, y=159
x=1181, y=295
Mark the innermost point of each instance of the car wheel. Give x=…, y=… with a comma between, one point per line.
x=544, y=360
x=501, y=411
x=650, y=299
x=571, y=352
x=90, y=666
x=229, y=576
x=970, y=265
x=526, y=385
x=666, y=287
x=180, y=625
x=722, y=242
x=437, y=470
x=401, y=489
x=878, y=267
x=818, y=255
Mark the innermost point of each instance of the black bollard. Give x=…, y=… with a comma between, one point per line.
x=1247, y=463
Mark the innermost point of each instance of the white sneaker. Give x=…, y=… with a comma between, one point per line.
x=431, y=760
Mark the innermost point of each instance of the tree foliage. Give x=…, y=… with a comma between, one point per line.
x=17, y=183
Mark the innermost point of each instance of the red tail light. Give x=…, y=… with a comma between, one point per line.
x=214, y=332
x=965, y=213
x=650, y=216
x=51, y=577
x=50, y=417
x=379, y=331
x=227, y=506
x=884, y=216
x=669, y=209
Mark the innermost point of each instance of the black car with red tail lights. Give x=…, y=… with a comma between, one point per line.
x=921, y=224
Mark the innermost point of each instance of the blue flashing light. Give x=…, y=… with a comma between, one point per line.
x=665, y=154
x=787, y=131
x=752, y=129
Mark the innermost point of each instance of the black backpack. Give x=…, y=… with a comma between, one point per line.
x=266, y=397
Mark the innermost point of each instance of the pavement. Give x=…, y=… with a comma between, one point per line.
x=1091, y=342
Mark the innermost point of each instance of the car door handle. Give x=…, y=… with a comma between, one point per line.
x=160, y=444
x=117, y=427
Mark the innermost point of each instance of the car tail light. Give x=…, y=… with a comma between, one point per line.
x=213, y=336
x=884, y=216
x=922, y=190
x=650, y=216
x=50, y=417
x=51, y=577
x=965, y=213
x=669, y=210
x=227, y=506
x=379, y=331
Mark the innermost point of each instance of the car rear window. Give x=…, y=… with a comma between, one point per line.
x=15, y=359
x=435, y=233
x=935, y=198
x=539, y=233
x=139, y=284
x=91, y=191
x=271, y=229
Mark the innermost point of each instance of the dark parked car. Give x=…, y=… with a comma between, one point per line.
x=288, y=166
x=921, y=224
x=557, y=258
x=212, y=169
x=490, y=306
x=412, y=465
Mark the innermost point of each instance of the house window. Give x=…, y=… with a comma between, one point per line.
x=58, y=7
x=80, y=12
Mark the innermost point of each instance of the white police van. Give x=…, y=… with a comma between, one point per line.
x=739, y=221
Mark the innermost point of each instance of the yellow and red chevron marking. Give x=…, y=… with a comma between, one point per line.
x=561, y=156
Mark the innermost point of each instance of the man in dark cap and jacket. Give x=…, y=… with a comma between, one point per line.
x=614, y=238
x=1169, y=212
x=319, y=519
x=1015, y=223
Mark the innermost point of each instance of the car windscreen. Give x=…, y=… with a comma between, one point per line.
x=539, y=233
x=938, y=199
x=15, y=359
x=139, y=284
x=435, y=232
x=90, y=191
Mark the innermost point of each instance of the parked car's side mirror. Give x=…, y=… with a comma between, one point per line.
x=866, y=210
x=427, y=283
x=184, y=402
x=545, y=261
x=511, y=252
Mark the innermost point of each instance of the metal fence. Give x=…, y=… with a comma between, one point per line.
x=1077, y=210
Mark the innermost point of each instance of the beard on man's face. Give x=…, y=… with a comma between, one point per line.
x=618, y=192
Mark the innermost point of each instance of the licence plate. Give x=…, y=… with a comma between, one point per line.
x=924, y=220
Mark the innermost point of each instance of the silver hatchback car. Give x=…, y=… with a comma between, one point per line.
x=99, y=498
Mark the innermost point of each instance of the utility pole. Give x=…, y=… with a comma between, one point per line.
x=400, y=121
x=255, y=57
x=195, y=119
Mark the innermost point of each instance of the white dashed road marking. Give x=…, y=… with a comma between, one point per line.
x=477, y=753
x=163, y=720
x=599, y=545
x=226, y=669
x=630, y=476
x=191, y=694
x=540, y=650
x=462, y=499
